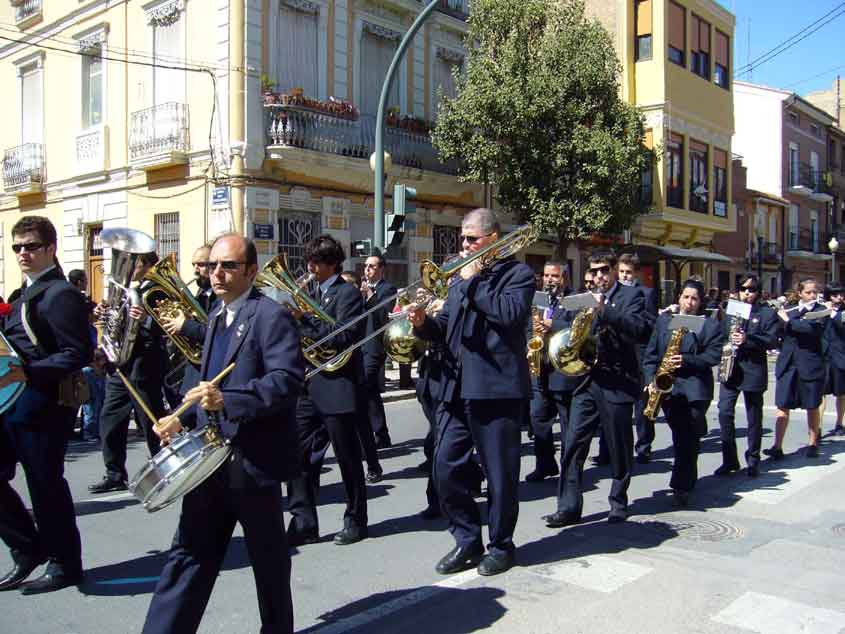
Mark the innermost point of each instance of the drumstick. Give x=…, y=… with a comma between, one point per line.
x=184, y=407
x=137, y=397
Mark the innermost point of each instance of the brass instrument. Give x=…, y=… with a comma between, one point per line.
x=728, y=360
x=117, y=329
x=276, y=274
x=664, y=378
x=536, y=344
x=168, y=297
x=573, y=351
x=435, y=279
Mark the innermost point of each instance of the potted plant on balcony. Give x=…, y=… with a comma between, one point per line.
x=267, y=86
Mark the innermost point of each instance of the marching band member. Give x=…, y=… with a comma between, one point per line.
x=145, y=368
x=750, y=376
x=482, y=395
x=327, y=409
x=800, y=369
x=606, y=395
x=255, y=405
x=686, y=405
x=834, y=335
x=48, y=327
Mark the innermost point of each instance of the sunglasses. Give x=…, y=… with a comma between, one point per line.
x=27, y=247
x=474, y=239
x=604, y=270
x=226, y=265
x=749, y=289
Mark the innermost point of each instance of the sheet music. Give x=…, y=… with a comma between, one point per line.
x=541, y=299
x=817, y=314
x=693, y=323
x=579, y=301
x=736, y=308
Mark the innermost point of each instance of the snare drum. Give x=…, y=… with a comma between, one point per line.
x=179, y=467
x=8, y=356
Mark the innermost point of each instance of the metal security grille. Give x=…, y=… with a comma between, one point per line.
x=295, y=230
x=445, y=242
x=95, y=244
x=167, y=235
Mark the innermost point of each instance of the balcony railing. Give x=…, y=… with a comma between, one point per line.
x=297, y=127
x=456, y=8
x=806, y=180
x=24, y=168
x=159, y=136
x=806, y=240
x=26, y=9
x=771, y=252
x=92, y=150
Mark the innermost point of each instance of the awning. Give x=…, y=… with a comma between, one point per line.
x=652, y=252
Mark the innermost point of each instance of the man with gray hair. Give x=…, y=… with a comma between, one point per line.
x=482, y=396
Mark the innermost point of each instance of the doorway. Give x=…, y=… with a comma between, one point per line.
x=96, y=267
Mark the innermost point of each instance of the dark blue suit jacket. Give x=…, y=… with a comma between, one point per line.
x=58, y=315
x=374, y=348
x=336, y=392
x=483, y=325
x=694, y=379
x=260, y=394
x=751, y=369
x=834, y=340
x=802, y=346
x=195, y=331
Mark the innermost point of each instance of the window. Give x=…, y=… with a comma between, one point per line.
x=722, y=44
x=720, y=183
x=167, y=235
x=794, y=165
x=815, y=130
x=446, y=64
x=642, y=42
x=446, y=242
x=298, y=48
x=675, y=171
x=700, y=47
x=295, y=230
x=699, y=194
x=378, y=45
x=793, y=118
x=169, y=50
x=793, y=226
x=677, y=34
x=92, y=87
x=32, y=105
x=831, y=154
x=815, y=172
x=647, y=175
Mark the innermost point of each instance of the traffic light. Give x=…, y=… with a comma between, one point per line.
x=395, y=222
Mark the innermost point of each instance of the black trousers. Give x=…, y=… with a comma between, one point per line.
x=40, y=449
x=429, y=407
x=114, y=421
x=688, y=422
x=543, y=416
x=590, y=410
x=208, y=518
x=373, y=371
x=493, y=427
x=754, y=415
x=365, y=434
x=645, y=427
x=316, y=431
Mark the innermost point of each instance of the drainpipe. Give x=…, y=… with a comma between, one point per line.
x=237, y=41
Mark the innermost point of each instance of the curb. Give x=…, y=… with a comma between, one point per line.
x=398, y=395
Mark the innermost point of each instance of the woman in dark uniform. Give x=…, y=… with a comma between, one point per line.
x=686, y=405
x=834, y=349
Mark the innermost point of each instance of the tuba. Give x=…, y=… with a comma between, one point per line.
x=573, y=351
x=276, y=274
x=168, y=297
x=664, y=378
x=117, y=329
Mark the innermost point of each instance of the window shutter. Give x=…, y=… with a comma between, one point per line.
x=644, y=17
x=720, y=159
x=704, y=37
x=722, y=49
x=695, y=29
x=32, y=124
x=677, y=26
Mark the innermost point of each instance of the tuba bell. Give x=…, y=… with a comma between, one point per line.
x=573, y=351
x=168, y=297
x=117, y=329
x=276, y=274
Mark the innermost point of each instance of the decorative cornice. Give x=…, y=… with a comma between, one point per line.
x=166, y=13
x=382, y=31
x=450, y=56
x=303, y=6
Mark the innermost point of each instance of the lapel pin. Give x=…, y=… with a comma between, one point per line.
x=240, y=330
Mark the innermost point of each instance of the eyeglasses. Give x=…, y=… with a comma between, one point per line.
x=27, y=247
x=604, y=270
x=226, y=265
x=474, y=239
x=201, y=265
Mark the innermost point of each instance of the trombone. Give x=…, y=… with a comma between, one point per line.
x=400, y=342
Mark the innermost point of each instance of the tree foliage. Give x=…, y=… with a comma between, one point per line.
x=538, y=113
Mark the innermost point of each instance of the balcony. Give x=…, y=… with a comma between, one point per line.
x=805, y=243
x=805, y=180
x=24, y=169
x=771, y=252
x=159, y=136
x=345, y=134
x=456, y=8
x=92, y=148
x=26, y=12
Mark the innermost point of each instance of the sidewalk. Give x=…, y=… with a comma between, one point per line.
x=392, y=391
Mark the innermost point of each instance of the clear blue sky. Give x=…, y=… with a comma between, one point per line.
x=810, y=65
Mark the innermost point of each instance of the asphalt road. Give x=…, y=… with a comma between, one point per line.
x=762, y=555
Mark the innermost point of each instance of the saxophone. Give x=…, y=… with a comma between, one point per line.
x=536, y=345
x=728, y=360
x=664, y=378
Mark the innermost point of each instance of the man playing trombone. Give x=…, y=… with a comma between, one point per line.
x=483, y=393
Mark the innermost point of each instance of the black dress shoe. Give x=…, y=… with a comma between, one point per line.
x=599, y=461
x=839, y=430
x=559, y=519
x=643, y=458
x=425, y=467
x=296, y=538
x=776, y=453
x=496, y=563
x=350, y=535
x=681, y=498
x=373, y=477
x=753, y=471
x=108, y=484
x=51, y=582
x=430, y=513
x=460, y=558
x=726, y=469
x=617, y=516
x=20, y=571
x=538, y=476
x=812, y=451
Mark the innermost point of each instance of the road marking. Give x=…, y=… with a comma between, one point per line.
x=777, y=484
x=595, y=572
x=768, y=614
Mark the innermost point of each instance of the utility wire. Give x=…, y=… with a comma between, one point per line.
x=822, y=74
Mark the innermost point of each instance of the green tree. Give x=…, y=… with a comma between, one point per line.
x=538, y=113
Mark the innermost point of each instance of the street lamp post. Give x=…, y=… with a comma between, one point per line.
x=833, y=245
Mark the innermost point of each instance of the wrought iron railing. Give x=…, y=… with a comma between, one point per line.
x=806, y=240
x=295, y=126
x=456, y=8
x=160, y=129
x=23, y=166
x=25, y=9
